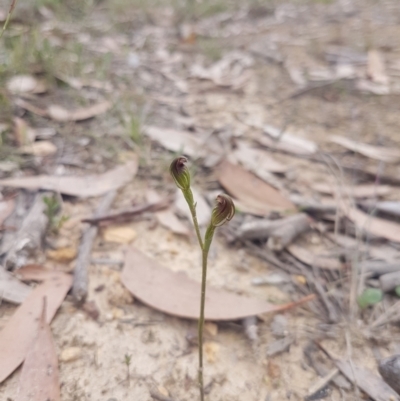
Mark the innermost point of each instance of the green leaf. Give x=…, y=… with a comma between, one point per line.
x=370, y=296
x=397, y=290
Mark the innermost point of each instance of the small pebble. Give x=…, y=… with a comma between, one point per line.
x=70, y=354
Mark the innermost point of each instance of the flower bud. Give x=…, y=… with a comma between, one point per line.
x=180, y=173
x=223, y=211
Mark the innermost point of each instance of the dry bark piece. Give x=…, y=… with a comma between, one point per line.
x=59, y=113
x=17, y=336
x=81, y=278
x=39, y=378
x=175, y=141
x=84, y=187
x=380, y=153
x=373, y=225
x=389, y=368
x=256, y=195
x=366, y=380
x=28, y=241
x=176, y=294
x=11, y=289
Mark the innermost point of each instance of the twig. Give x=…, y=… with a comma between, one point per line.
x=124, y=215
x=81, y=279
x=10, y=11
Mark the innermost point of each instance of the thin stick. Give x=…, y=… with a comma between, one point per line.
x=10, y=11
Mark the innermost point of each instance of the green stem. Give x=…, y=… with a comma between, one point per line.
x=207, y=243
x=10, y=11
x=192, y=206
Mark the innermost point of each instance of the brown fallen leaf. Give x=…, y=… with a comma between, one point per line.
x=381, y=153
x=358, y=191
x=366, y=380
x=39, y=378
x=84, y=187
x=17, y=336
x=374, y=225
x=184, y=142
x=11, y=289
x=176, y=294
x=59, y=113
x=254, y=194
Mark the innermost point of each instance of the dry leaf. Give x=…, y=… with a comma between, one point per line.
x=376, y=68
x=59, y=113
x=357, y=191
x=310, y=258
x=367, y=381
x=176, y=294
x=381, y=153
x=17, y=336
x=287, y=142
x=84, y=187
x=255, y=195
x=40, y=149
x=120, y=235
x=203, y=210
x=374, y=225
x=11, y=289
x=21, y=84
x=183, y=142
x=39, y=378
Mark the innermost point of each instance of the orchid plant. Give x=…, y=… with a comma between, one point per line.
x=223, y=211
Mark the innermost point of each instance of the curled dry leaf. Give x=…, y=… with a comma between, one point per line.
x=174, y=140
x=39, y=378
x=17, y=336
x=176, y=294
x=84, y=187
x=59, y=113
x=381, y=153
x=255, y=195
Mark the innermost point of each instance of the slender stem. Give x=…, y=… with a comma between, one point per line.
x=207, y=243
x=10, y=11
x=192, y=206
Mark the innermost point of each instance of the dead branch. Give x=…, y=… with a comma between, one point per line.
x=81, y=279
x=285, y=234
x=125, y=215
